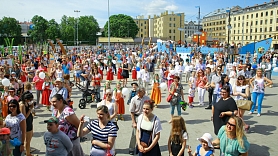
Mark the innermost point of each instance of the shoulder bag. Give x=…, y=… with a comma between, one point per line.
x=170, y=96
x=143, y=144
x=244, y=104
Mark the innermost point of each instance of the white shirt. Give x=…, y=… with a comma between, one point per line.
x=146, y=76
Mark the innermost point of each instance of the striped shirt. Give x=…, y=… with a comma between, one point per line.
x=110, y=130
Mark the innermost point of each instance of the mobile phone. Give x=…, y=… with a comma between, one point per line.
x=86, y=118
x=243, y=90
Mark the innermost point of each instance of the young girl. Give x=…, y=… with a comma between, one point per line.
x=146, y=79
x=109, y=75
x=6, y=147
x=178, y=137
x=201, y=81
x=156, y=92
x=134, y=74
x=47, y=87
x=205, y=148
x=119, y=100
x=119, y=76
x=191, y=95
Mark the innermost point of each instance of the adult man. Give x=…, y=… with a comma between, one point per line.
x=136, y=108
x=268, y=69
x=214, y=81
x=209, y=75
x=59, y=89
x=150, y=69
x=57, y=142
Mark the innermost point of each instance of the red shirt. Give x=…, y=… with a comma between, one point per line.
x=38, y=85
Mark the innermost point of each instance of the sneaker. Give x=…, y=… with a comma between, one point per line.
x=250, y=113
x=208, y=107
x=191, y=106
x=258, y=114
x=131, y=152
x=200, y=104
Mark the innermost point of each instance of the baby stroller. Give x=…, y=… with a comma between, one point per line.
x=87, y=94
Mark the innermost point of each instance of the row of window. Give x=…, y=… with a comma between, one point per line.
x=262, y=14
x=145, y=22
x=257, y=22
x=259, y=37
x=215, y=23
x=257, y=30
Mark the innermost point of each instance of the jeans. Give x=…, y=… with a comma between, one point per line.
x=260, y=97
x=268, y=74
x=214, y=99
x=201, y=95
x=178, y=108
x=39, y=92
x=132, y=142
x=97, y=90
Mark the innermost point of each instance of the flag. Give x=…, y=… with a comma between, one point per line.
x=263, y=45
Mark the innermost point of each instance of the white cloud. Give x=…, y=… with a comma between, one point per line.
x=159, y=6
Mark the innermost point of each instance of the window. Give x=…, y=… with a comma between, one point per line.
x=141, y=35
x=270, y=22
x=145, y=22
x=262, y=14
x=174, y=19
x=251, y=15
x=174, y=31
x=234, y=31
x=141, y=30
x=261, y=29
x=141, y=24
x=271, y=13
x=261, y=22
x=246, y=37
x=170, y=20
x=246, y=30
x=276, y=20
x=170, y=24
x=246, y=23
x=234, y=25
x=257, y=15
x=238, y=17
x=250, y=37
x=170, y=37
x=266, y=13
x=256, y=30
x=234, y=18
x=251, y=30
x=276, y=28
x=238, y=24
x=170, y=31
x=265, y=29
x=174, y=25
x=251, y=23
x=265, y=22
x=136, y=22
x=247, y=16
x=270, y=29
x=256, y=23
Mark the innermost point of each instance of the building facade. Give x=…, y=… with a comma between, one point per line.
x=255, y=23
x=190, y=28
x=166, y=26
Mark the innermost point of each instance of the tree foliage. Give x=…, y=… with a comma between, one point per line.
x=53, y=30
x=38, y=34
x=9, y=28
x=67, y=27
x=87, y=29
x=121, y=26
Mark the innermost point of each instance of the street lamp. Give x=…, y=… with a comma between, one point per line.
x=229, y=29
x=108, y=26
x=199, y=20
x=77, y=11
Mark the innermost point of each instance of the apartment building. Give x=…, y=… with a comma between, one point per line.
x=166, y=26
x=255, y=23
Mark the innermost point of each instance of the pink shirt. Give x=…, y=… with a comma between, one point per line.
x=9, y=98
x=201, y=82
x=38, y=85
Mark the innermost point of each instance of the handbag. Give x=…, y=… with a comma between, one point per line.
x=108, y=152
x=244, y=104
x=170, y=97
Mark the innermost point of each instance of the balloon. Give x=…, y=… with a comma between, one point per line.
x=6, y=82
x=254, y=66
x=273, y=65
x=263, y=66
x=114, y=61
x=105, y=61
x=137, y=68
x=163, y=85
x=275, y=69
x=42, y=75
x=125, y=91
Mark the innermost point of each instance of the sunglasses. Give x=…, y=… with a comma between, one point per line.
x=223, y=92
x=108, y=94
x=12, y=106
x=240, y=79
x=231, y=124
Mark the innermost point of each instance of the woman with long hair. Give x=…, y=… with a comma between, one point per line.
x=201, y=82
x=104, y=132
x=258, y=84
x=178, y=137
x=224, y=81
x=125, y=72
x=26, y=106
x=119, y=99
x=16, y=122
x=148, y=131
x=68, y=122
x=231, y=138
x=223, y=109
x=96, y=80
x=241, y=92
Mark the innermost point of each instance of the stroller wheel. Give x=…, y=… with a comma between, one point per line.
x=82, y=101
x=82, y=105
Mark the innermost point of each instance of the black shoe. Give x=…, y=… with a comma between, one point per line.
x=208, y=107
x=131, y=152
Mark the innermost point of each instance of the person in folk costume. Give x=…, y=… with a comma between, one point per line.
x=119, y=100
x=133, y=92
x=96, y=79
x=107, y=86
x=100, y=68
x=156, y=92
x=109, y=75
x=4, y=101
x=134, y=73
x=47, y=87
x=119, y=76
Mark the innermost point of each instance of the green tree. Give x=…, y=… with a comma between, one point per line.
x=121, y=26
x=9, y=28
x=53, y=30
x=87, y=29
x=38, y=34
x=67, y=28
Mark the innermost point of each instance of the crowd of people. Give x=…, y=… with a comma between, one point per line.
x=229, y=83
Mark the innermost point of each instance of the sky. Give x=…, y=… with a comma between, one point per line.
x=55, y=9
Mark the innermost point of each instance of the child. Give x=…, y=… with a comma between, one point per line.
x=47, y=87
x=156, y=92
x=6, y=148
x=191, y=95
x=178, y=137
x=4, y=102
x=133, y=92
x=119, y=100
x=192, y=79
x=109, y=75
x=20, y=89
x=134, y=74
x=107, y=86
x=119, y=76
x=140, y=76
x=205, y=148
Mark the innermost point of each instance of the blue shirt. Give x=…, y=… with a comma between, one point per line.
x=66, y=68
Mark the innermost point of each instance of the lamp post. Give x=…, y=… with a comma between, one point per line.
x=108, y=26
x=199, y=20
x=229, y=29
x=77, y=11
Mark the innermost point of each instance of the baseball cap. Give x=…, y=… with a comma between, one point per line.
x=4, y=131
x=59, y=80
x=208, y=138
x=51, y=120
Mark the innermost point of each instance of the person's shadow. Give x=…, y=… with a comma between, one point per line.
x=258, y=150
